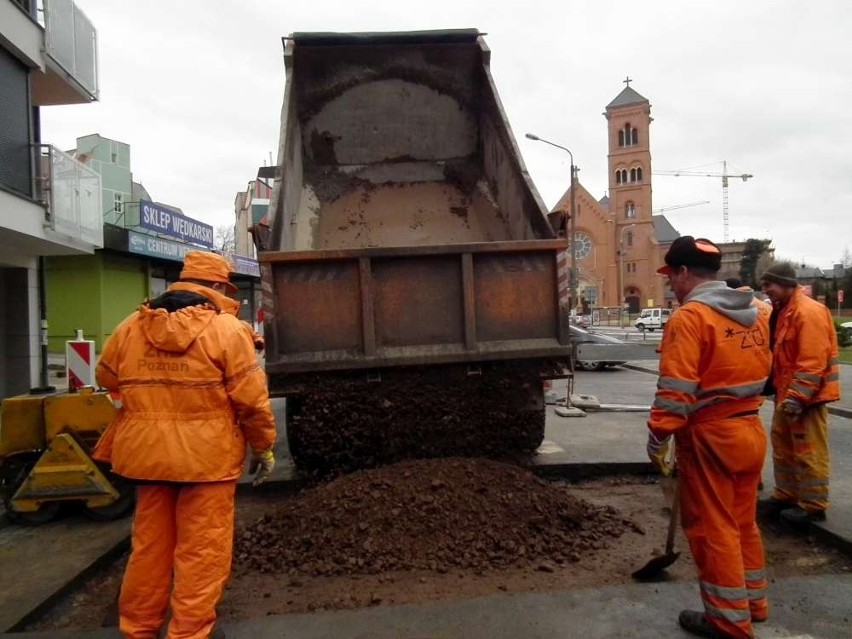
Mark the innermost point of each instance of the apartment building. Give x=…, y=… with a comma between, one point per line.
x=50, y=204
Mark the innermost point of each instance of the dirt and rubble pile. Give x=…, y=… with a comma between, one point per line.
x=351, y=421
x=427, y=514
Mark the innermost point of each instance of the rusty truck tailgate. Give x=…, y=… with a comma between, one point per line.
x=367, y=308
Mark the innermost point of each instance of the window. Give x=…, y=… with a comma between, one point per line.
x=630, y=210
x=632, y=175
x=638, y=173
x=118, y=203
x=113, y=158
x=582, y=245
x=628, y=136
x=15, y=169
x=629, y=238
x=621, y=176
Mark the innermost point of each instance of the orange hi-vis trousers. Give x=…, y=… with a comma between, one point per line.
x=719, y=464
x=800, y=458
x=181, y=534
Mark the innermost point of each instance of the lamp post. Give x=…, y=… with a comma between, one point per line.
x=572, y=276
x=620, y=278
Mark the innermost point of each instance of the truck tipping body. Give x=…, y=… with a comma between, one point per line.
x=406, y=231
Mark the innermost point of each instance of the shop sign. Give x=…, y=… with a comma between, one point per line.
x=160, y=219
x=157, y=247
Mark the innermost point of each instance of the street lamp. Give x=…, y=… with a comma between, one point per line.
x=572, y=277
x=621, y=270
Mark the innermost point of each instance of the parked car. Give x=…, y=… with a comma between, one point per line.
x=847, y=328
x=651, y=318
x=583, y=336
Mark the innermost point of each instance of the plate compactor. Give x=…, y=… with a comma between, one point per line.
x=46, y=443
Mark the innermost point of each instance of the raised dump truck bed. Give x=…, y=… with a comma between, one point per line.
x=406, y=231
x=374, y=308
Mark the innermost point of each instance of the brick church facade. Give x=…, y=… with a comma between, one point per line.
x=619, y=242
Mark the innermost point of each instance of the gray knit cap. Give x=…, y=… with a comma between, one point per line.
x=781, y=273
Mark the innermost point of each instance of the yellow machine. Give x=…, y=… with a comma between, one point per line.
x=45, y=446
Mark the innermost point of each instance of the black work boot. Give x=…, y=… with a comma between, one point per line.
x=800, y=516
x=695, y=622
x=771, y=507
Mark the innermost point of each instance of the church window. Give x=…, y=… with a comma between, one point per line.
x=630, y=210
x=629, y=238
x=632, y=175
x=628, y=136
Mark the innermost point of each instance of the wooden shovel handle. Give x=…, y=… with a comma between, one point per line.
x=673, y=520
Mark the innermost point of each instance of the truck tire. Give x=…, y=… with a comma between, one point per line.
x=641, y=327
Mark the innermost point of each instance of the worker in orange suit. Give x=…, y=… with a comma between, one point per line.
x=714, y=363
x=805, y=377
x=192, y=395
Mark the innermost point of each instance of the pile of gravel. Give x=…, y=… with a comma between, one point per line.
x=434, y=514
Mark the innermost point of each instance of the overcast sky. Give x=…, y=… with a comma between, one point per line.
x=195, y=87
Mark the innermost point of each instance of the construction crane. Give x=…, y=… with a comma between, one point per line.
x=724, y=175
x=679, y=206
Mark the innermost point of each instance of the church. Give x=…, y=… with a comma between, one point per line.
x=619, y=243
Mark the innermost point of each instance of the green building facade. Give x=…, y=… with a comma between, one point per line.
x=94, y=293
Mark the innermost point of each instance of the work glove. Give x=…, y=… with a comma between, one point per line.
x=658, y=453
x=792, y=411
x=261, y=466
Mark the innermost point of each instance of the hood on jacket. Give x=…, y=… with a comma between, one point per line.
x=172, y=321
x=736, y=304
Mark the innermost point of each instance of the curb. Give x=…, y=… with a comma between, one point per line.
x=107, y=558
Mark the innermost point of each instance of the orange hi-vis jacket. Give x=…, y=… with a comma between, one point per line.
x=192, y=391
x=715, y=359
x=806, y=369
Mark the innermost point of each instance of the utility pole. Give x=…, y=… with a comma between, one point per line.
x=572, y=276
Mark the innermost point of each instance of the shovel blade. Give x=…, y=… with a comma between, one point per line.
x=654, y=568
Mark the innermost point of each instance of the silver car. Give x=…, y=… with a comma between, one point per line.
x=583, y=336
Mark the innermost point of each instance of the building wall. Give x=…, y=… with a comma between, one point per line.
x=93, y=293
x=111, y=160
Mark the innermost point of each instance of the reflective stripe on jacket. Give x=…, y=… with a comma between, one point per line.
x=191, y=388
x=712, y=366
x=806, y=368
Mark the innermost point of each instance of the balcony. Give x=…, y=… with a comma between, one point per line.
x=71, y=195
x=71, y=56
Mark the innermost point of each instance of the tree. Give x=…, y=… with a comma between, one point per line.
x=752, y=253
x=224, y=239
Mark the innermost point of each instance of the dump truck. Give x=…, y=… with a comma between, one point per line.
x=409, y=272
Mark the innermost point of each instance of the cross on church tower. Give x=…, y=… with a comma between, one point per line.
x=627, y=80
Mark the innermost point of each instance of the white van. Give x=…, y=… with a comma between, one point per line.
x=651, y=318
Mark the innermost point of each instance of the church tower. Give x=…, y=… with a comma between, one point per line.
x=629, y=161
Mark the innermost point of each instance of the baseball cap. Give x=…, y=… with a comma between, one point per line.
x=692, y=252
x=208, y=267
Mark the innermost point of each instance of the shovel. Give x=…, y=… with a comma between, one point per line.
x=654, y=568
